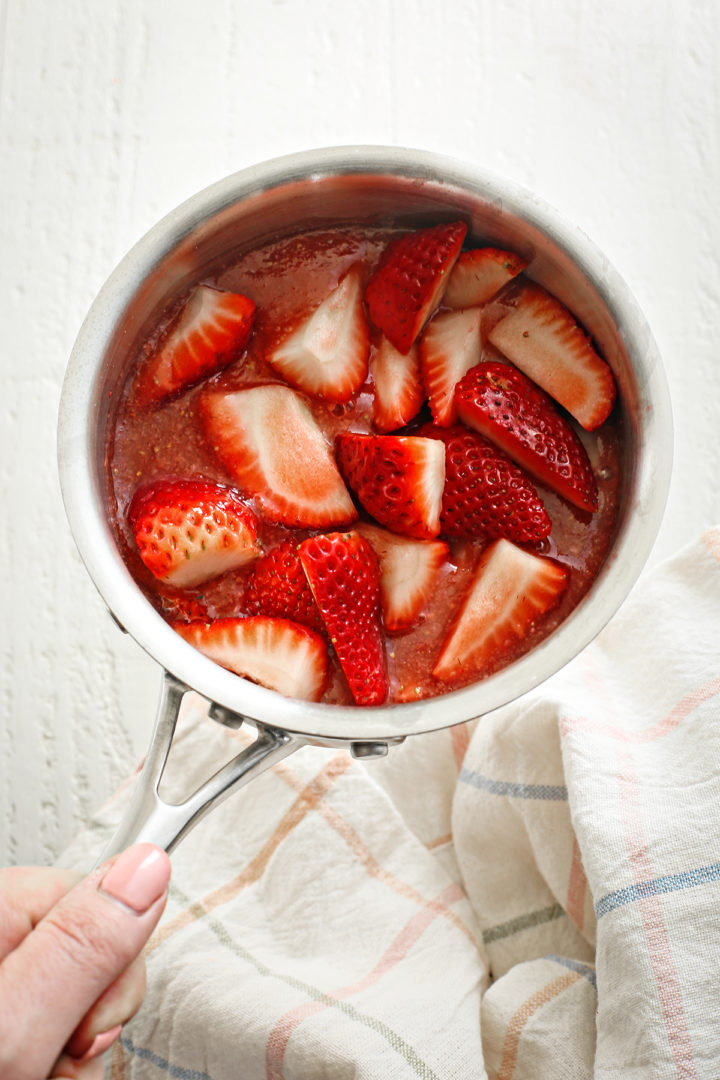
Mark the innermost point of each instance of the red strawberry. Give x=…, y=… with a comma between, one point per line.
x=397, y=478
x=408, y=573
x=327, y=355
x=275, y=653
x=479, y=274
x=398, y=390
x=343, y=573
x=268, y=440
x=504, y=405
x=511, y=589
x=189, y=531
x=214, y=327
x=449, y=347
x=486, y=494
x=410, y=279
x=277, y=585
x=541, y=337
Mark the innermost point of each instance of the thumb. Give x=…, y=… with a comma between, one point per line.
x=74, y=953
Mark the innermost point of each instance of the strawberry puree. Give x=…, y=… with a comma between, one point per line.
x=286, y=280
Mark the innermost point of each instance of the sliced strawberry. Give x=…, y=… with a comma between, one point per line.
x=541, y=337
x=268, y=440
x=410, y=279
x=342, y=569
x=408, y=572
x=511, y=589
x=214, y=327
x=189, y=531
x=449, y=347
x=327, y=355
x=277, y=585
x=398, y=389
x=486, y=494
x=506, y=407
x=479, y=274
x=276, y=653
x=397, y=478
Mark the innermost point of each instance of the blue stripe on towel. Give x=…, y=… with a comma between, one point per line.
x=657, y=887
x=575, y=965
x=176, y=1071
x=556, y=792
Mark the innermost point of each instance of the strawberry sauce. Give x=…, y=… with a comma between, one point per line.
x=287, y=279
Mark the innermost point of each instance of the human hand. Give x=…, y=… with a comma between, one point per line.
x=70, y=969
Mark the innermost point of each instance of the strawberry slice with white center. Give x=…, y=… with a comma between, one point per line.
x=190, y=531
x=213, y=329
x=276, y=653
x=542, y=338
x=506, y=407
x=410, y=279
x=399, y=392
x=480, y=274
x=399, y=479
x=343, y=572
x=450, y=346
x=408, y=573
x=327, y=355
x=511, y=589
x=267, y=438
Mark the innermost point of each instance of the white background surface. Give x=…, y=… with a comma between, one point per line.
x=114, y=111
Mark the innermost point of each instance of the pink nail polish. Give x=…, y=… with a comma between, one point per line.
x=138, y=877
x=100, y=1043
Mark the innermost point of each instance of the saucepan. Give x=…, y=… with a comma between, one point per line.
x=378, y=185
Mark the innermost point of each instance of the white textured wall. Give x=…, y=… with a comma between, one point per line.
x=113, y=111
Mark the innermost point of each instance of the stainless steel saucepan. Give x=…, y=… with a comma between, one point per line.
x=326, y=187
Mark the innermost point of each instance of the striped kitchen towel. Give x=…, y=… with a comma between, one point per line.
x=533, y=895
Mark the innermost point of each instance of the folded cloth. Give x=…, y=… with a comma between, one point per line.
x=531, y=895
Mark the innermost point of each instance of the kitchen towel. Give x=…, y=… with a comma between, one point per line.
x=535, y=894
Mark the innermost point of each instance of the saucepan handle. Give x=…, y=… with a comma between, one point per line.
x=149, y=818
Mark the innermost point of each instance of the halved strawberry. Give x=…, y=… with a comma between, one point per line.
x=408, y=572
x=511, y=589
x=276, y=653
x=277, y=585
x=268, y=440
x=214, y=327
x=398, y=479
x=410, y=279
x=327, y=355
x=506, y=407
x=486, y=494
x=449, y=347
x=189, y=531
x=541, y=337
x=343, y=572
x=479, y=274
x=398, y=389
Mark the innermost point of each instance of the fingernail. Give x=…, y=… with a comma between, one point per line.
x=100, y=1044
x=138, y=877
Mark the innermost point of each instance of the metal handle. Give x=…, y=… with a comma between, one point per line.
x=150, y=818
